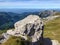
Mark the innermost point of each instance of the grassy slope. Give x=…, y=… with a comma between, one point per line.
x=14, y=41
x=11, y=41
x=52, y=29
x=2, y=31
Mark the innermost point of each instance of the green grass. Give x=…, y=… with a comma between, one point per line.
x=57, y=13
x=52, y=29
x=14, y=41
x=2, y=31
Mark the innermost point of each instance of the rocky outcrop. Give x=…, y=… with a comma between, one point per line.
x=31, y=26
x=46, y=13
x=4, y=37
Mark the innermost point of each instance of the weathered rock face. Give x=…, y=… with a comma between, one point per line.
x=31, y=26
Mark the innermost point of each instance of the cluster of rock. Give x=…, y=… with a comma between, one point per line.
x=46, y=13
x=4, y=37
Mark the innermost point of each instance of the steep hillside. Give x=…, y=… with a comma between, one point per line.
x=14, y=41
x=7, y=19
x=52, y=29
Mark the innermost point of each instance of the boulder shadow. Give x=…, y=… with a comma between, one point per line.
x=47, y=41
x=44, y=41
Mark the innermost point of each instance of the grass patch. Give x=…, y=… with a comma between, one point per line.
x=13, y=40
x=52, y=29
x=2, y=31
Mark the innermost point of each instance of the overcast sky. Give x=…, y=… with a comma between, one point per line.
x=34, y=4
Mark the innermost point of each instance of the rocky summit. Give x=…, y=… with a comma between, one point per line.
x=29, y=28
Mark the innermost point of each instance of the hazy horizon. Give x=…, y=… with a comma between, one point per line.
x=30, y=4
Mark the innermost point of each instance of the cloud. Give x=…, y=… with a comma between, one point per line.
x=13, y=0
x=31, y=4
x=25, y=0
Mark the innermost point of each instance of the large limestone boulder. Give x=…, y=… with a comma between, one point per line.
x=31, y=26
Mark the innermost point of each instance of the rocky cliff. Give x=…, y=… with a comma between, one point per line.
x=30, y=28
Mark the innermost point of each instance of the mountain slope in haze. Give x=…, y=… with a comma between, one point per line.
x=52, y=29
x=7, y=19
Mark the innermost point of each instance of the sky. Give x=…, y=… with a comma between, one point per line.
x=30, y=4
